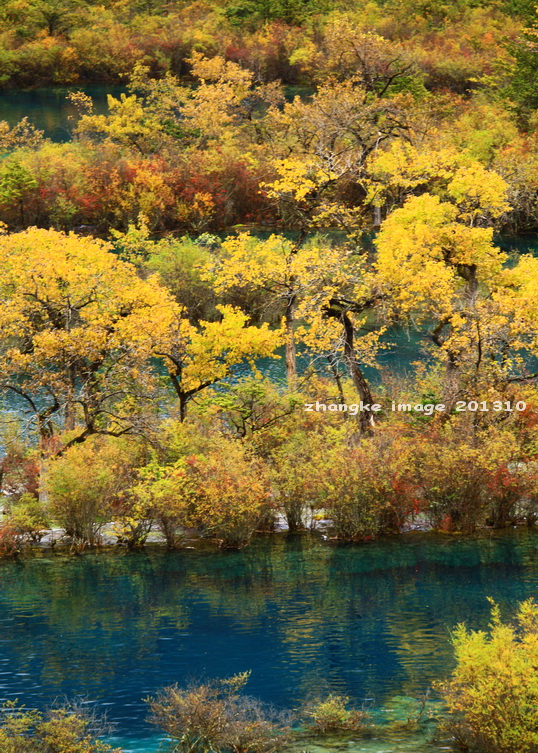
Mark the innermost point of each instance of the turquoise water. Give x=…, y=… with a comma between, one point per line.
x=371, y=621
x=49, y=109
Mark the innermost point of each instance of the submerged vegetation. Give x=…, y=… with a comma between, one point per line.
x=62, y=729
x=489, y=706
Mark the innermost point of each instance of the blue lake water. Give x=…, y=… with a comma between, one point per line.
x=371, y=621
x=49, y=109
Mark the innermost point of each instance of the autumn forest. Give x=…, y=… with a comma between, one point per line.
x=287, y=282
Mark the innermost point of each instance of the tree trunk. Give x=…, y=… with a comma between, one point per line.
x=365, y=418
x=291, y=356
x=70, y=417
x=42, y=489
x=182, y=406
x=338, y=380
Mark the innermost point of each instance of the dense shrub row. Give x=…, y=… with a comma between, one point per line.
x=223, y=486
x=74, y=185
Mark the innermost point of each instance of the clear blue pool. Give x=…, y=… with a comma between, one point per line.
x=371, y=621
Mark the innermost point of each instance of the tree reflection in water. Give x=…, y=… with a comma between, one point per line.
x=369, y=621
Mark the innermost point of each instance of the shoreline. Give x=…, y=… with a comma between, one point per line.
x=54, y=542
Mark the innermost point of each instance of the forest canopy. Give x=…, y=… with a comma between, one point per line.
x=298, y=186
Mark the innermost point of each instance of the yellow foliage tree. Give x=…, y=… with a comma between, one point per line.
x=321, y=148
x=327, y=287
x=74, y=347
x=197, y=357
x=437, y=264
